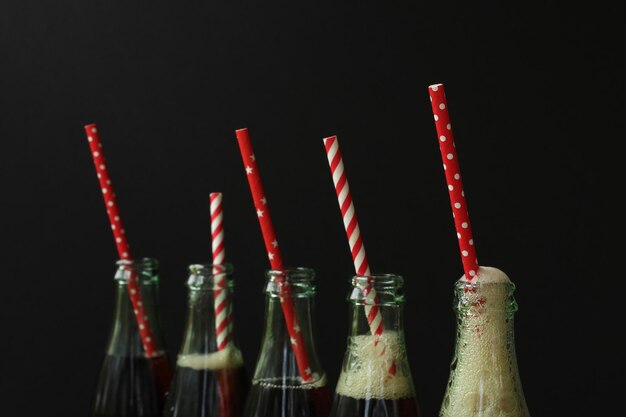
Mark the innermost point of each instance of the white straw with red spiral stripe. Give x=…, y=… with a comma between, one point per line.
x=351, y=225
x=453, y=178
x=273, y=253
x=223, y=310
x=120, y=237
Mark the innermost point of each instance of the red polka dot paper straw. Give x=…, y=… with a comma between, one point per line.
x=223, y=310
x=273, y=253
x=351, y=225
x=120, y=236
x=453, y=178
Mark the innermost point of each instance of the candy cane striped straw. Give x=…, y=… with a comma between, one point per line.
x=453, y=178
x=223, y=310
x=351, y=224
x=123, y=250
x=273, y=253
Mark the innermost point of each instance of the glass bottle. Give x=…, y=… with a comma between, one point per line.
x=484, y=379
x=210, y=378
x=130, y=384
x=375, y=379
x=277, y=388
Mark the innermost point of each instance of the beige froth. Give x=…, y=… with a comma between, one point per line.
x=227, y=358
x=485, y=382
x=367, y=375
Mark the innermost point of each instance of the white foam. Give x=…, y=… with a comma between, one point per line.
x=367, y=374
x=488, y=275
x=485, y=380
x=227, y=358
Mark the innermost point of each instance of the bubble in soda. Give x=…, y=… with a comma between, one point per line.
x=367, y=388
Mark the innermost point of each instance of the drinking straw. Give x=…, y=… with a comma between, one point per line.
x=353, y=232
x=145, y=331
x=223, y=310
x=453, y=178
x=273, y=252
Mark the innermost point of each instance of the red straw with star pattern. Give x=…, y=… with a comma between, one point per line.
x=273, y=253
x=453, y=178
x=159, y=359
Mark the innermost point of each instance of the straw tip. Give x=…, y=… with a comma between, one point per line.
x=91, y=126
x=215, y=195
x=243, y=129
x=435, y=87
x=333, y=137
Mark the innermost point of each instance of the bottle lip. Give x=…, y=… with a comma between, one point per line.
x=146, y=268
x=210, y=277
x=209, y=269
x=388, y=289
x=298, y=273
x=141, y=263
x=382, y=280
x=301, y=281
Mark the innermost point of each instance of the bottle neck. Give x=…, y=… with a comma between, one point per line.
x=125, y=339
x=277, y=363
x=136, y=301
x=375, y=301
x=484, y=377
x=376, y=363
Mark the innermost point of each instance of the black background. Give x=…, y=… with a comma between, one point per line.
x=536, y=97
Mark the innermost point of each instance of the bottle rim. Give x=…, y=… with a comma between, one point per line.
x=300, y=279
x=145, y=267
x=298, y=273
x=209, y=269
x=146, y=262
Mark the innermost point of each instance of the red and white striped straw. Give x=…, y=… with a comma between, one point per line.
x=223, y=310
x=453, y=178
x=351, y=225
x=120, y=238
x=273, y=253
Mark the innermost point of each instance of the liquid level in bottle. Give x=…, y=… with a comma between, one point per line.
x=267, y=398
x=213, y=385
x=127, y=388
x=366, y=388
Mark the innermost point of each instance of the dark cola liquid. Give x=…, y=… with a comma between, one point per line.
x=127, y=387
x=204, y=393
x=272, y=400
x=352, y=407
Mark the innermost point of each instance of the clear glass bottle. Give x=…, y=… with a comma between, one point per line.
x=210, y=378
x=130, y=384
x=375, y=379
x=277, y=388
x=484, y=379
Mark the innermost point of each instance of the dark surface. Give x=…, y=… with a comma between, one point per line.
x=536, y=96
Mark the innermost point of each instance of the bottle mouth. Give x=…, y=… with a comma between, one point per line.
x=292, y=282
x=145, y=269
x=495, y=296
x=138, y=263
x=388, y=289
x=210, y=276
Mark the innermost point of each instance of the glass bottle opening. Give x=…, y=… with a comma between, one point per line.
x=146, y=268
x=210, y=276
x=388, y=289
x=299, y=281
